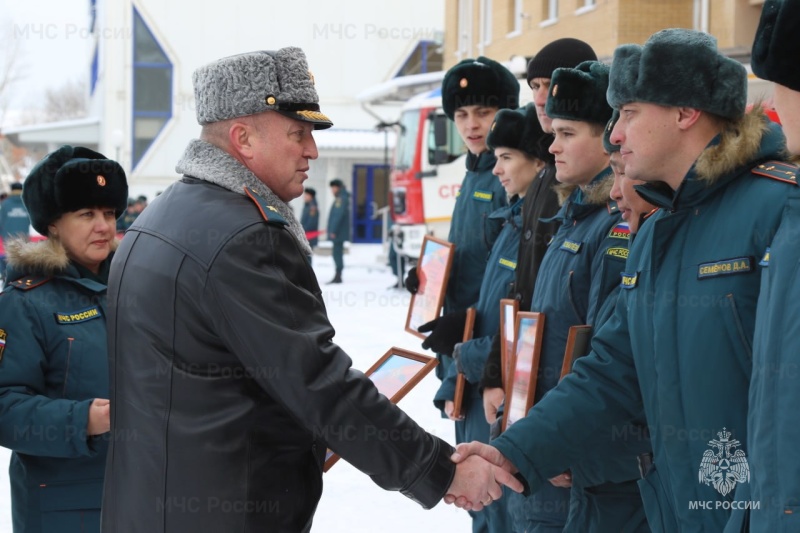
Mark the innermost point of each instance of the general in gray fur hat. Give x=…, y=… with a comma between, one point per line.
x=679, y=67
x=247, y=84
x=579, y=93
x=73, y=178
x=776, y=48
x=520, y=129
x=482, y=82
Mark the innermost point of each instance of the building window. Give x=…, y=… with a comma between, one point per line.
x=584, y=6
x=152, y=88
x=701, y=15
x=550, y=11
x=464, y=45
x=515, y=16
x=486, y=21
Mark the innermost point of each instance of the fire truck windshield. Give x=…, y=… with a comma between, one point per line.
x=407, y=139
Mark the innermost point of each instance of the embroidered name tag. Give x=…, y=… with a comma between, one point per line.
x=620, y=231
x=483, y=196
x=507, y=263
x=739, y=265
x=571, y=246
x=629, y=281
x=764, y=260
x=622, y=253
x=78, y=316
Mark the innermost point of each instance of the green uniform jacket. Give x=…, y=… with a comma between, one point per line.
x=773, y=430
x=14, y=219
x=472, y=231
x=578, y=271
x=339, y=217
x=679, y=342
x=53, y=363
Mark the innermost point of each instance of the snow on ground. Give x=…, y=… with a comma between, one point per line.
x=369, y=319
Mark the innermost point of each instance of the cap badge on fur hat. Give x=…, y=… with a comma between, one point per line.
x=480, y=82
x=255, y=82
x=579, y=93
x=73, y=178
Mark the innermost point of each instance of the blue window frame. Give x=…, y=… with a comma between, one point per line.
x=152, y=88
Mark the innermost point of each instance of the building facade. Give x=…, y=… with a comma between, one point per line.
x=502, y=29
x=141, y=101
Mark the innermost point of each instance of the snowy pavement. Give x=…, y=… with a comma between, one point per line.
x=369, y=319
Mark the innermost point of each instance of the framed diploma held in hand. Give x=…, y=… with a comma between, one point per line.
x=433, y=271
x=578, y=345
x=394, y=375
x=508, y=333
x=524, y=367
x=461, y=379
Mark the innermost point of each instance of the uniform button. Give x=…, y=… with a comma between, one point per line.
x=528, y=235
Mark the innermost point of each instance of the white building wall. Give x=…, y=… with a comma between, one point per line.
x=350, y=46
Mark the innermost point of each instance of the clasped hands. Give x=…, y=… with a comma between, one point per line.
x=481, y=472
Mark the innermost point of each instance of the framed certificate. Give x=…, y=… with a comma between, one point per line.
x=433, y=270
x=394, y=374
x=461, y=380
x=524, y=366
x=578, y=345
x=508, y=333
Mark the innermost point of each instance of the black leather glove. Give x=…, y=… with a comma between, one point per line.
x=412, y=281
x=446, y=332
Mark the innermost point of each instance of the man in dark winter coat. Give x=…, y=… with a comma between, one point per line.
x=226, y=386
x=339, y=225
x=679, y=342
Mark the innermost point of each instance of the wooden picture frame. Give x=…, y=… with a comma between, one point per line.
x=394, y=374
x=433, y=270
x=525, y=365
x=578, y=344
x=461, y=379
x=509, y=308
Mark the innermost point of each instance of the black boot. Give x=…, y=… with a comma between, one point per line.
x=337, y=278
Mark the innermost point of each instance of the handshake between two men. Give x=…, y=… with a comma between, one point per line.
x=481, y=472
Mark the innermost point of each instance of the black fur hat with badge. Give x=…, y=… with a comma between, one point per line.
x=776, y=48
x=482, y=82
x=681, y=68
x=73, y=178
x=520, y=129
x=579, y=93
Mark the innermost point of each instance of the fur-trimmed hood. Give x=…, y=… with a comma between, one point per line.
x=44, y=258
x=596, y=193
x=747, y=140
